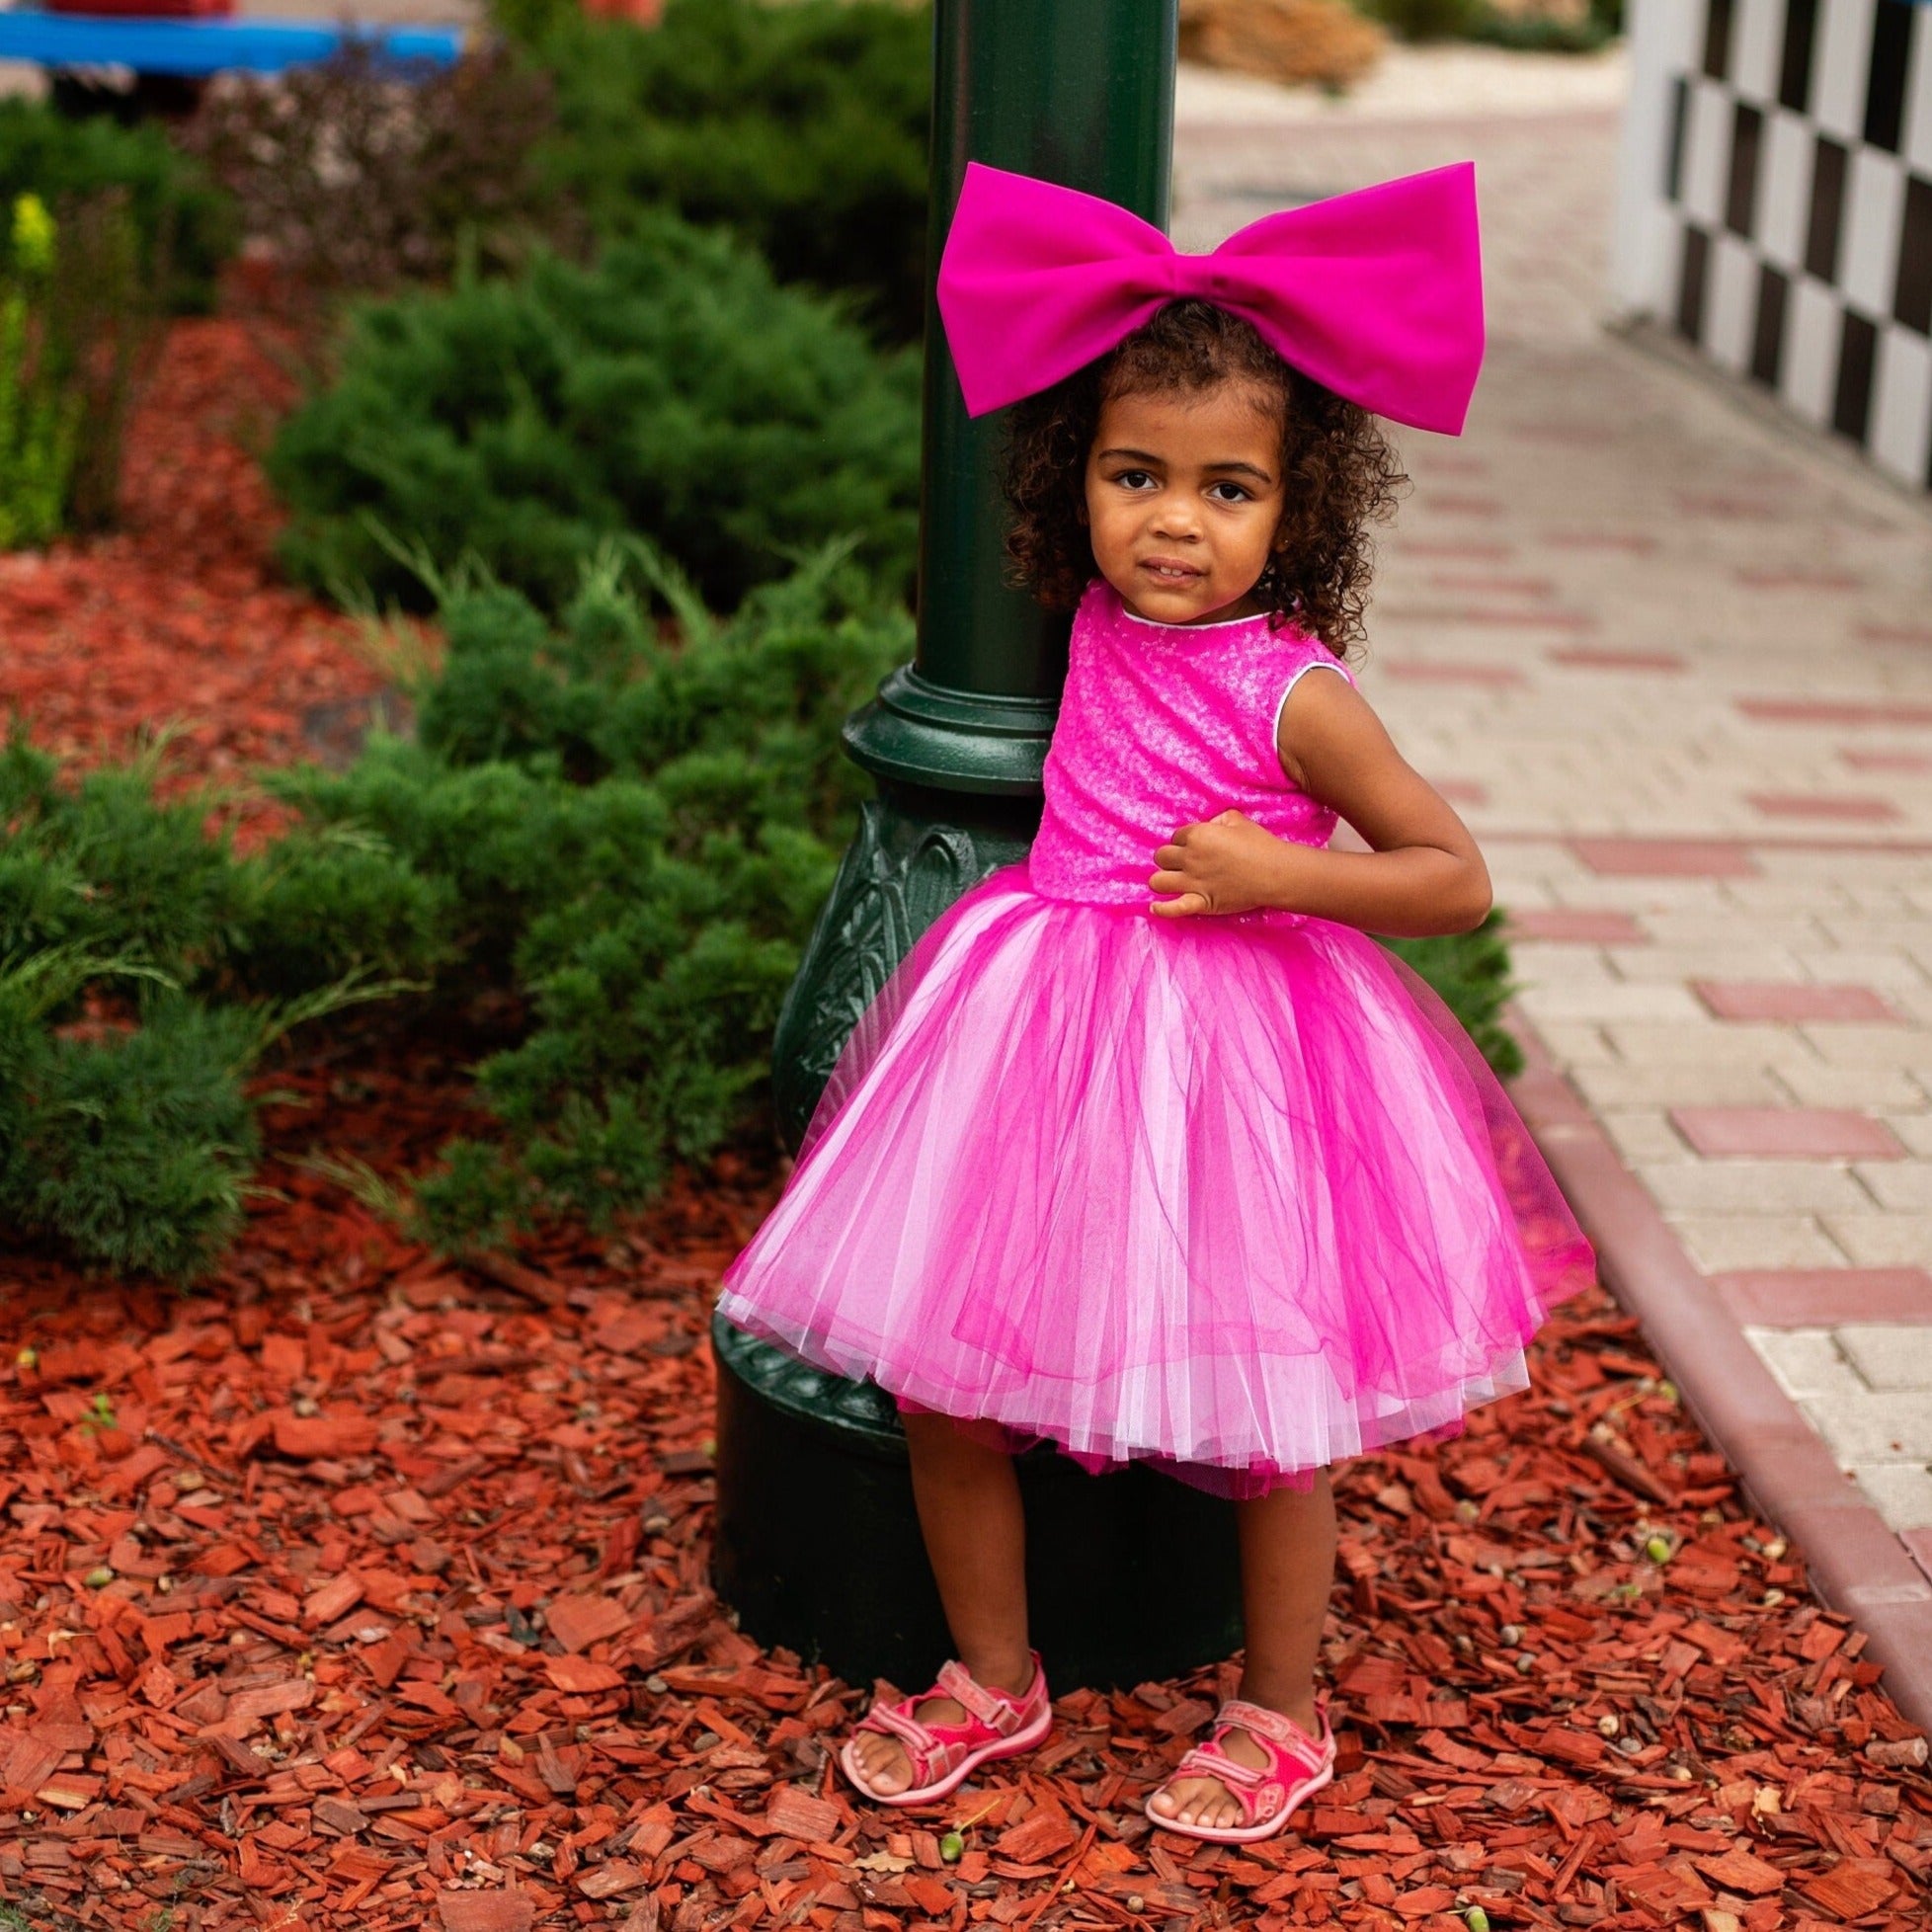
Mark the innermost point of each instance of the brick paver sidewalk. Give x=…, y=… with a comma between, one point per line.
x=1674, y=663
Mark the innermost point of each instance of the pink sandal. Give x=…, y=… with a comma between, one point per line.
x=944, y=1755
x=1298, y=1767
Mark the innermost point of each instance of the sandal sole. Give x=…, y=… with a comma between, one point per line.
x=1021, y=1742
x=1248, y=1834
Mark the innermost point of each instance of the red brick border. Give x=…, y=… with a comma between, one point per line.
x=1858, y=1565
x=1825, y=1298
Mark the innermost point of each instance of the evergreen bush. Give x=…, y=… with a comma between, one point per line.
x=134, y=1149
x=1592, y=27
x=636, y=834
x=672, y=390
x=186, y=225
x=1470, y=972
x=801, y=127
x=145, y=969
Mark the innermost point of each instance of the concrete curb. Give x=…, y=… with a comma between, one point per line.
x=1858, y=1565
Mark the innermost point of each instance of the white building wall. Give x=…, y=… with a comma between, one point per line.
x=1775, y=203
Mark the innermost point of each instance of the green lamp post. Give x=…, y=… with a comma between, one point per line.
x=817, y=1544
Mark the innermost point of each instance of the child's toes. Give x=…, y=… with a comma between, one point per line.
x=886, y=1765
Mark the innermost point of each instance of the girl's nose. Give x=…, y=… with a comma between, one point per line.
x=1175, y=516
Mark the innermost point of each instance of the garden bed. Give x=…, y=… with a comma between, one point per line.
x=369, y=1590
x=183, y=616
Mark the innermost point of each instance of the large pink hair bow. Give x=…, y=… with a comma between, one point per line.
x=1378, y=293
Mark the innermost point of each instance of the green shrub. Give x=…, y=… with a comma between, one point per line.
x=1425, y=19
x=77, y=327
x=1470, y=972
x=98, y=868
x=672, y=390
x=802, y=128
x=145, y=969
x=1476, y=20
x=134, y=1149
x=40, y=405
x=635, y=836
x=186, y=226
x=1526, y=34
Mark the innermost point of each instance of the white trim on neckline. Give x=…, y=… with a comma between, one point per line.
x=1155, y=623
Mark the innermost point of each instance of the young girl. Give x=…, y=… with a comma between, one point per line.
x=1146, y=1149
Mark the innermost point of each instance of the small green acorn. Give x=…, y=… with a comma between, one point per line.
x=1658, y=1549
x=1476, y=1920
x=952, y=1848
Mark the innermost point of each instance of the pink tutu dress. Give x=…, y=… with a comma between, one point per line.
x=1233, y=1195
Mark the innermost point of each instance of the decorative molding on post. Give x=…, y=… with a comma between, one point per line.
x=911, y=858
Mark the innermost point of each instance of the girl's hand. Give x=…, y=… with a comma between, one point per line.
x=1422, y=874
x=1229, y=864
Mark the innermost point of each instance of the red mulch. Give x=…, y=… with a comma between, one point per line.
x=181, y=618
x=361, y=1590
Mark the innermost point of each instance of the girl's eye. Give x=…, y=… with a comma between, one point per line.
x=1132, y=479
x=1238, y=494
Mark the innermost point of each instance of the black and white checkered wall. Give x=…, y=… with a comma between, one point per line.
x=1788, y=231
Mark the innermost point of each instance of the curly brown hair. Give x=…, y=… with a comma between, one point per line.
x=1339, y=471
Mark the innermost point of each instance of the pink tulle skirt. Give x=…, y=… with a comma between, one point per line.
x=1236, y=1197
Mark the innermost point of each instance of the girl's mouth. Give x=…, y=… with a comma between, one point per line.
x=1170, y=573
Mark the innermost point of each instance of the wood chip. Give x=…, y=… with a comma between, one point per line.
x=578, y=1622
x=486, y=1911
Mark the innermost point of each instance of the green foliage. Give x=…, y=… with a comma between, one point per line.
x=1470, y=972
x=145, y=969
x=637, y=834
x=1425, y=19
x=802, y=128
x=331, y=906
x=76, y=322
x=186, y=226
x=100, y=869
x=134, y=1149
x=1476, y=20
x=672, y=390
x=1530, y=36
x=39, y=408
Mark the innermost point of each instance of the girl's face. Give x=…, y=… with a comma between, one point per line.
x=1184, y=496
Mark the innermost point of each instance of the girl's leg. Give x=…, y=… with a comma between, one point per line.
x=1287, y=1564
x=969, y=1513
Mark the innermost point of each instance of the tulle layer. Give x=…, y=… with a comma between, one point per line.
x=1234, y=1197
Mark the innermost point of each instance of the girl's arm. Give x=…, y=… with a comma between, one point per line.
x=1423, y=876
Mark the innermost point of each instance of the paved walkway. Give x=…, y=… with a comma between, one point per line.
x=1673, y=661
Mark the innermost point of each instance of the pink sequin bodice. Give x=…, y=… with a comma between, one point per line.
x=1160, y=726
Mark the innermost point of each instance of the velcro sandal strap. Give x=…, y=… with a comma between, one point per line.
x=957, y=1682
x=898, y=1721
x=1238, y=1714
x=1210, y=1762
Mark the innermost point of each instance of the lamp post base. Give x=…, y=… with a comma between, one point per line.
x=818, y=1544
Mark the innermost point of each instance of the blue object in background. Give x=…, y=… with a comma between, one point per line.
x=200, y=48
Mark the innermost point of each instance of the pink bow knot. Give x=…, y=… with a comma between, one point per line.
x=1378, y=294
